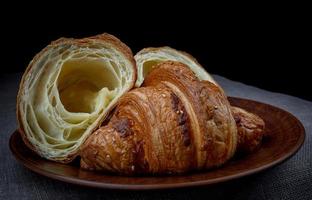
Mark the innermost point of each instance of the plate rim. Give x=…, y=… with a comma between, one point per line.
x=122, y=186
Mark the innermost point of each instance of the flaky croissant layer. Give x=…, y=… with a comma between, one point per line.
x=173, y=124
x=67, y=91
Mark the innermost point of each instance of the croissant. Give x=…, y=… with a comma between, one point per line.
x=175, y=123
x=68, y=90
x=147, y=58
x=248, y=124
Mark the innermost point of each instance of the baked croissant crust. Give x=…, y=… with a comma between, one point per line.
x=173, y=124
x=67, y=91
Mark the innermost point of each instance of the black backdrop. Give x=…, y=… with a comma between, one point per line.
x=268, y=52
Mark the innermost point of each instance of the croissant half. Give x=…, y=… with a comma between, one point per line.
x=173, y=124
x=67, y=91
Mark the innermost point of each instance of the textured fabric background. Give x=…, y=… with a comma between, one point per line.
x=290, y=180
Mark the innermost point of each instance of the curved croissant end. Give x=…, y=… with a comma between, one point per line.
x=147, y=58
x=67, y=91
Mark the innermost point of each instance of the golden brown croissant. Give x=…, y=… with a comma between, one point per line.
x=173, y=124
x=248, y=124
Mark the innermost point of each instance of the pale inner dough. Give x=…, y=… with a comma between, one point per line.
x=81, y=83
x=149, y=65
x=84, y=88
x=67, y=94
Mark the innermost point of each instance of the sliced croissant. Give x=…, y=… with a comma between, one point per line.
x=147, y=58
x=173, y=124
x=68, y=90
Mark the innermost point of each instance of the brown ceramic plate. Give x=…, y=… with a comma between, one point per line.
x=287, y=137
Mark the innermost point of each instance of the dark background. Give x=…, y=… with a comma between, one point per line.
x=266, y=48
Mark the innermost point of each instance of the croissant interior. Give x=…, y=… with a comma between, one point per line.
x=68, y=90
x=84, y=83
x=148, y=58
